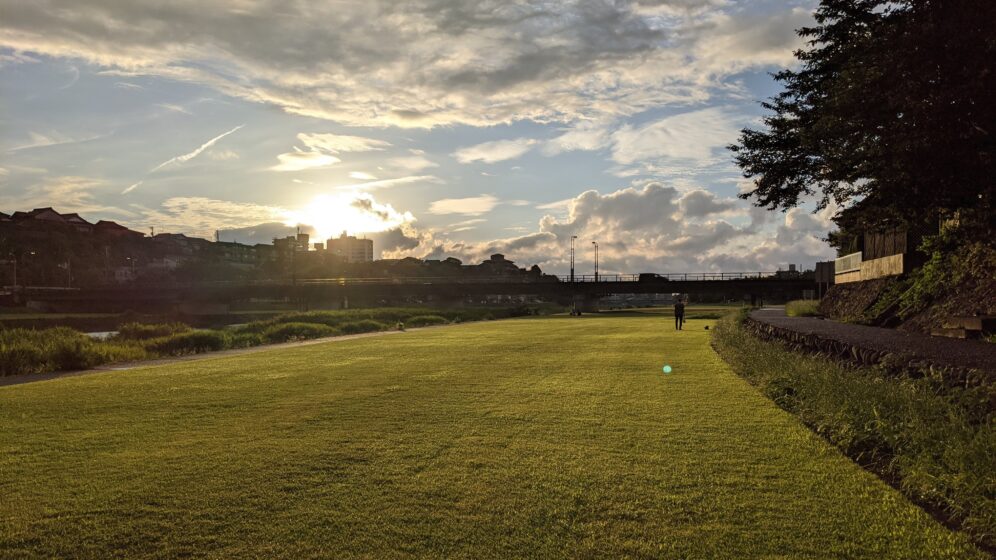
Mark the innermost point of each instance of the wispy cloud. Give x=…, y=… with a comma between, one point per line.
x=384, y=183
x=300, y=160
x=196, y=152
x=471, y=206
x=181, y=158
x=493, y=152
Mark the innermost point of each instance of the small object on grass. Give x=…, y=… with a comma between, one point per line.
x=667, y=369
x=707, y=327
x=401, y=326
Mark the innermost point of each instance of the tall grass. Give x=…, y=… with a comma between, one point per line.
x=802, y=308
x=936, y=443
x=58, y=349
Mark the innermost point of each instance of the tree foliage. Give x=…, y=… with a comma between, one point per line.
x=890, y=114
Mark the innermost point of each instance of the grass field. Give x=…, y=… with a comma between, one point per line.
x=551, y=437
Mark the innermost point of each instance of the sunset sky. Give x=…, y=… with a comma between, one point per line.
x=439, y=128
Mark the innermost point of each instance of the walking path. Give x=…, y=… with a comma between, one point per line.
x=940, y=351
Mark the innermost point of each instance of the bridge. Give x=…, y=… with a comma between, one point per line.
x=584, y=289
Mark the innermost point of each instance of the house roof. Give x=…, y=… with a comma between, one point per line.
x=75, y=219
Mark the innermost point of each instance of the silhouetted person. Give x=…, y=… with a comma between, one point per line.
x=679, y=314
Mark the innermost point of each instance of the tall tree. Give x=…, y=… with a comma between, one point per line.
x=891, y=114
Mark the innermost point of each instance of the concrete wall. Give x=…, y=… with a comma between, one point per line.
x=875, y=268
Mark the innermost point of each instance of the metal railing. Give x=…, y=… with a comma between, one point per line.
x=672, y=276
x=847, y=263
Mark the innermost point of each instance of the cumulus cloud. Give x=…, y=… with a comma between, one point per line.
x=493, y=152
x=653, y=227
x=447, y=61
x=700, y=203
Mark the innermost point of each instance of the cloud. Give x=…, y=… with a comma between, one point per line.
x=586, y=136
x=384, y=183
x=299, y=160
x=653, y=228
x=53, y=138
x=202, y=216
x=692, y=137
x=361, y=175
x=65, y=193
x=700, y=203
x=410, y=164
x=336, y=143
x=195, y=152
x=447, y=61
x=493, y=152
x=472, y=206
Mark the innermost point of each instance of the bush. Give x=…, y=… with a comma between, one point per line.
x=58, y=349
x=140, y=331
x=297, y=331
x=802, y=308
x=935, y=440
x=426, y=321
x=18, y=358
x=193, y=342
x=364, y=326
x=246, y=340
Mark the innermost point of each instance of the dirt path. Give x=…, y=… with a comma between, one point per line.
x=122, y=366
x=941, y=351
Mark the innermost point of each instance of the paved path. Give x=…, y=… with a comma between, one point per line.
x=941, y=351
x=121, y=366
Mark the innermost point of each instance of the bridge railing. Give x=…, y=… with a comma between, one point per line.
x=675, y=276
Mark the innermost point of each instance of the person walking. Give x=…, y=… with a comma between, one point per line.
x=679, y=313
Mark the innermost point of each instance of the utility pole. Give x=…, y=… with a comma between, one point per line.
x=573, y=237
x=595, y=243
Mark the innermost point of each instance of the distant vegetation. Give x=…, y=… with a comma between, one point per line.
x=24, y=351
x=802, y=308
x=934, y=440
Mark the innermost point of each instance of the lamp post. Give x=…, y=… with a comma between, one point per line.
x=573, y=237
x=595, y=243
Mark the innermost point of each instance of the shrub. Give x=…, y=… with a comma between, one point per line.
x=193, y=342
x=297, y=331
x=17, y=358
x=246, y=339
x=140, y=331
x=802, y=308
x=366, y=325
x=426, y=321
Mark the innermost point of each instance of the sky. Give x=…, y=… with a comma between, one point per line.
x=436, y=127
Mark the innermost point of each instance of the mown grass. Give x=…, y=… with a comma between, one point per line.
x=936, y=442
x=552, y=437
x=28, y=351
x=802, y=308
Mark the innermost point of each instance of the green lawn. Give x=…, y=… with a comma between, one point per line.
x=550, y=437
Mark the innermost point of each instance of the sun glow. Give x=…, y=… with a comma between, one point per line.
x=330, y=215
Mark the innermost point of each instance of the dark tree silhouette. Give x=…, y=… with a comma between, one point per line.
x=891, y=113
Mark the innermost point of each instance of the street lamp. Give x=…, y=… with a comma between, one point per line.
x=573, y=237
x=595, y=243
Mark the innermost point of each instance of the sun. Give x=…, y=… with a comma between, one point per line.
x=331, y=215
